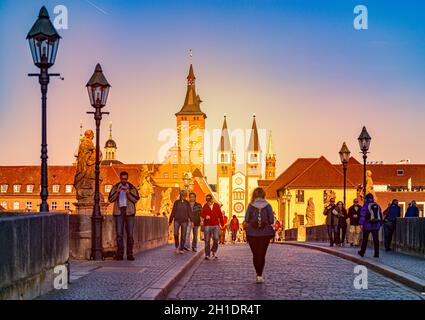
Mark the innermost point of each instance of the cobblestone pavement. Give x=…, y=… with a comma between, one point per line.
x=290, y=273
x=403, y=262
x=119, y=280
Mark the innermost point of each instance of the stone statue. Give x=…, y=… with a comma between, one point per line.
x=166, y=203
x=84, y=179
x=144, y=205
x=296, y=221
x=328, y=195
x=369, y=184
x=310, y=213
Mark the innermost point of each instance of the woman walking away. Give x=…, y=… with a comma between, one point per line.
x=342, y=223
x=259, y=229
x=371, y=220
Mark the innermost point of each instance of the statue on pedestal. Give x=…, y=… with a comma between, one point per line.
x=369, y=184
x=144, y=206
x=296, y=221
x=166, y=203
x=310, y=213
x=84, y=179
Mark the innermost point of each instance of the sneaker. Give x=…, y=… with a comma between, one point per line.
x=361, y=254
x=194, y=250
x=181, y=251
x=177, y=250
x=186, y=249
x=130, y=257
x=214, y=255
x=207, y=258
x=259, y=279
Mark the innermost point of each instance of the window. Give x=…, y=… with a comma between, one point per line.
x=30, y=188
x=16, y=205
x=68, y=188
x=175, y=166
x=67, y=205
x=16, y=188
x=165, y=175
x=4, y=188
x=299, y=196
x=54, y=205
x=29, y=205
x=253, y=158
x=224, y=158
x=175, y=175
x=3, y=204
x=108, y=188
x=55, y=188
x=400, y=172
x=238, y=194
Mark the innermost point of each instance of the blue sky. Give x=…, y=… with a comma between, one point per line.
x=299, y=65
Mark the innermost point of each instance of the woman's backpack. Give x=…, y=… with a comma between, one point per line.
x=259, y=219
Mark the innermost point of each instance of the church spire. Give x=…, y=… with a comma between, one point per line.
x=192, y=101
x=254, y=145
x=270, y=151
x=110, y=130
x=225, y=145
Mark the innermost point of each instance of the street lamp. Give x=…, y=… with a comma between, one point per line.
x=344, y=154
x=364, y=143
x=98, y=89
x=43, y=40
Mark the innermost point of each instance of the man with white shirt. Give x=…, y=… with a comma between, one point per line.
x=124, y=196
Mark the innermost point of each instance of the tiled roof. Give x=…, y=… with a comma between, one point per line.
x=387, y=174
x=321, y=174
x=288, y=175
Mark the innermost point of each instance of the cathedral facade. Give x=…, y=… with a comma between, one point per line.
x=235, y=187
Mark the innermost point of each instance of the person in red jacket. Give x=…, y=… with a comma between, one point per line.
x=212, y=219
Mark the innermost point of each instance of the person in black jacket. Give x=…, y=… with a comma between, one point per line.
x=355, y=228
x=180, y=214
x=342, y=223
x=194, y=222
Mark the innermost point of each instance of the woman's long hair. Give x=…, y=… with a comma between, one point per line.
x=258, y=193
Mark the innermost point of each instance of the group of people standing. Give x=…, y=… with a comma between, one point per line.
x=367, y=219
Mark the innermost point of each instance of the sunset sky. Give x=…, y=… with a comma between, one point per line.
x=299, y=65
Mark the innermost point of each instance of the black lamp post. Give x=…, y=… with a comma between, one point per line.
x=44, y=42
x=98, y=89
x=364, y=143
x=344, y=154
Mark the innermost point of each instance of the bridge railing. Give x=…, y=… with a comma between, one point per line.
x=408, y=238
x=31, y=246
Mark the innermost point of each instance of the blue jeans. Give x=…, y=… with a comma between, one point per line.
x=128, y=221
x=211, y=231
x=194, y=230
x=180, y=227
x=332, y=233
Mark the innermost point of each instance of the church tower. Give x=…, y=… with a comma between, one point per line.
x=225, y=170
x=253, y=162
x=110, y=147
x=270, y=160
x=190, y=128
